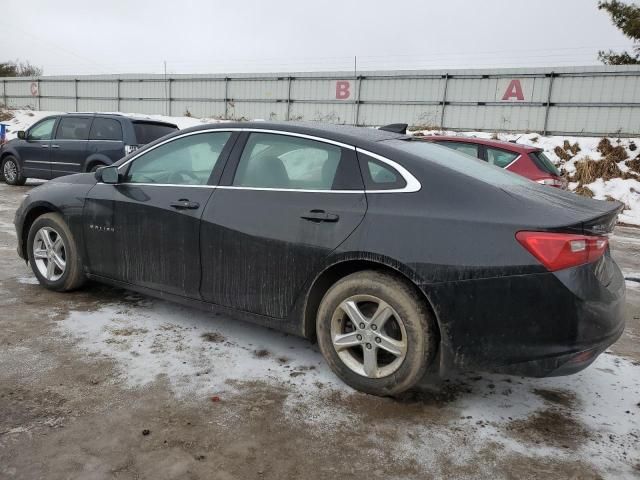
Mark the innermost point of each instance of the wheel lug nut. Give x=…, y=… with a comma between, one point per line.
x=374, y=327
x=362, y=325
x=359, y=337
x=369, y=346
x=378, y=340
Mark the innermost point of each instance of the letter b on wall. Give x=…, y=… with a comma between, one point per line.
x=343, y=89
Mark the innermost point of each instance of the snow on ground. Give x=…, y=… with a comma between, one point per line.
x=626, y=191
x=593, y=416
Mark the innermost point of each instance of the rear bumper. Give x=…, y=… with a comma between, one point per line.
x=537, y=325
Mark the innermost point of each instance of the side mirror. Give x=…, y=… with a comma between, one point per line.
x=108, y=174
x=22, y=135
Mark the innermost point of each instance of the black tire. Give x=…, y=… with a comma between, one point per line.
x=12, y=171
x=73, y=275
x=419, y=326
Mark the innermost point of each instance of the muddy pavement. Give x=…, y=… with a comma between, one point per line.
x=103, y=383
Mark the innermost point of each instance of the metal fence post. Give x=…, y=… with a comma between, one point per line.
x=75, y=92
x=226, y=98
x=4, y=91
x=288, y=99
x=444, y=100
x=38, y=83
x=169, y=94
x=548, y=105
x=359, y=84
x=118, y=94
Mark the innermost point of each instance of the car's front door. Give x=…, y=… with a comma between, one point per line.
x=284, y=204
x=69, y=145
x=34, y=150
x=145, y=229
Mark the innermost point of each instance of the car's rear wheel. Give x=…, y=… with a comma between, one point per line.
x=53, y=254
x=375, y=333
x=12, y=172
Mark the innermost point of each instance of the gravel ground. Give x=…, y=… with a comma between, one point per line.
x=103, y=383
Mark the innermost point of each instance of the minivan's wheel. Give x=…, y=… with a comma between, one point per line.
x=12, y=172
x=53, y=254
x=375, y=334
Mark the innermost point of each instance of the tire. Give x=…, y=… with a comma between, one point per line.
x=416, y=326
x=12, y=171
x=63, y=245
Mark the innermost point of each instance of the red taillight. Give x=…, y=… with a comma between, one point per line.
x=562, y=250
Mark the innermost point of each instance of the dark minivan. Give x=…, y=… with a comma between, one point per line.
x=73, y=143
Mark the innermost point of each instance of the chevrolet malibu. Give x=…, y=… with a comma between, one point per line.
x=398, y=256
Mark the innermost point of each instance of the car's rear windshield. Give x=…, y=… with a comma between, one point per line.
x=543, y=163
x=147, y=132
x=458, y=162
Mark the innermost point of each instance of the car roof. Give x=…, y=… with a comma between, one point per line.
x=116, y=115
x=348, y=134
x=511, y=146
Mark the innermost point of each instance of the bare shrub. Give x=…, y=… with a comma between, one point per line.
x=584, y=191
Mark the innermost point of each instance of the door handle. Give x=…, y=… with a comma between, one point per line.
x=45, y=146
x=318, y=216
x=55, y=146
x=184, y=204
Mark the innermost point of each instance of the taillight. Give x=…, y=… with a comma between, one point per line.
x=563, y=250
x=130, y=148
x=552, y=182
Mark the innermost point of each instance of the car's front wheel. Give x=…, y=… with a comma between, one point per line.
x=53, y=254
x=375, y=333
x=12, y=172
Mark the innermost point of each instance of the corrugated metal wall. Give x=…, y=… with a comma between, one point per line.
x=572, y=100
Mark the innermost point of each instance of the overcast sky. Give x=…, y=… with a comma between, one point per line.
x=211, y=36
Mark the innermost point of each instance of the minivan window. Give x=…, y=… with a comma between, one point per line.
x=43, y=130
x=187, y=160
x=147, y=132
x=105, y=129
x=288, y=162
x=458, y=162
x=73, y=128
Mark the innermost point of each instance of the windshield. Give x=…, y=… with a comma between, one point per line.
x=543, y=163
x=458, y=162
x=147, y=132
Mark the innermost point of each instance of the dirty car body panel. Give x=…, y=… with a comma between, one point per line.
x=443, y=221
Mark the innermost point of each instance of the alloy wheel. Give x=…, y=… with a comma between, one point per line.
x=49, y=254
x=369, y=336
x=10, y=171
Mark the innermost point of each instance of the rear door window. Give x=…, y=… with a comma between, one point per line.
x=462, y=147
x=73, y=128
x=105, y=129
x=500, y=158
x=147, y=132
x=293, y=163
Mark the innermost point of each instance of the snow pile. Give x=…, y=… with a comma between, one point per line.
x=568, y=152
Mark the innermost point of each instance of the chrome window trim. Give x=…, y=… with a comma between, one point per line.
x=55, y=163
x=508, y=165
x=412, y=183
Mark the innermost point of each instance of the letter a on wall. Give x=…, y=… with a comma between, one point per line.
x=513, y=91
x=342, y=89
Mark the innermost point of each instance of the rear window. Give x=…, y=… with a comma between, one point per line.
x=543, y=163
x=458, y=162
x=500, y=158
x=147, y=132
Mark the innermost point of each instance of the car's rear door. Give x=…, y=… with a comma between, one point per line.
x=145, y=229
x=285, y=202
x=69, y=145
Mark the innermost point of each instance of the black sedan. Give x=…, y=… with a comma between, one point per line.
x=397, y=255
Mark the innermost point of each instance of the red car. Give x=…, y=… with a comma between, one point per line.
x=530, y=162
